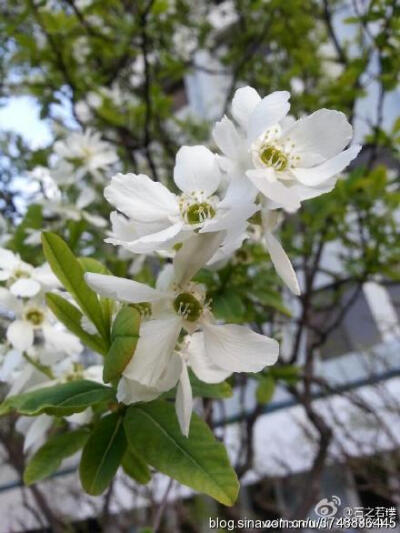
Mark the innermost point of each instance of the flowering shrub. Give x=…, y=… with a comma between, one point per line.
x=155, y=343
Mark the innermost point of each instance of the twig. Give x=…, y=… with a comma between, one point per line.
x=161, y=507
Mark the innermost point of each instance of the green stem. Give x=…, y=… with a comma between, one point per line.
x=42, y=368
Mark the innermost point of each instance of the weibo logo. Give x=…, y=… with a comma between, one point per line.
x=327, y=508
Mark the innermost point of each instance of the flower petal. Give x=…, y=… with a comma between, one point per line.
x=4, y=275
x=194, y=254
x=45, y=276
x=154, y=349
x=35, y=435
x=319, y=174
x=20, y=334
x=58, y=340
x=94, y=373
x=282, y=263
x=23, y=379
x=159, y=240
x=160, y=237
x=8, y=260
x=273, y=189
x=244, y=102
x=184, y=401
x=131, y=391
x=123, y=229
x=238, y=348
x=140, y=198
x=227, y=138
x=201, y=364
x=226, y=219
x=306, y=193
x=232, y=241
x=196, y=169
x=124, y=290
x=126, y=230
x=165, y=277
x=324, y=132
x=240, y=190
x=25, y=288
x=271, y=110
x=9, y=302
x=12, y=359
x=94, y=220
x=86, y=197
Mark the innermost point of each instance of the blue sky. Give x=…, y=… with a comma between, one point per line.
x=21, y=115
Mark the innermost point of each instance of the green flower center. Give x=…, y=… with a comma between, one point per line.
x=77, y=161
x=20, y=273
x=34, y=316
x=187, y=306
x=273, y=157
x=76, y=373
x=197, y=213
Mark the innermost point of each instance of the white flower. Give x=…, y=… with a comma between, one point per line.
x=70, y=369
x=10, y=362
x=156, y=218
x=279, y=258
x=23, y=279
x=31, y=317
x=286, y=161
x=87, y=151
x=54, y=201
x=47, y=181
x=177, y=303
x=34, y=430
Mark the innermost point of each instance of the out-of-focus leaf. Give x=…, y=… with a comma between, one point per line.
x=49, y=457
x=60, y=400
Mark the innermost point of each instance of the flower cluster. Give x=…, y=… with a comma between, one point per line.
x=269, y=162
x=37, y=349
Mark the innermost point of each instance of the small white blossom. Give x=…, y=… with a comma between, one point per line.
x=177, y=303
x=286, y=161
x=156, y=218
x=87, y=151
x=23, y=279
x=30, y=317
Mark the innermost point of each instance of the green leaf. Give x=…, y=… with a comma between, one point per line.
x=200, y=461
x=70, y=316
x=48, y=458
x=60, y=400
x=229, y=306
x=75, y=230
x=92, y=265
x=102, y=454
x=135, y=467
x=265, y=389
x=270, y=299
x=70, y=273
x=288, y=373
x=124, y=336
x=210, y=390
x=89, y=264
